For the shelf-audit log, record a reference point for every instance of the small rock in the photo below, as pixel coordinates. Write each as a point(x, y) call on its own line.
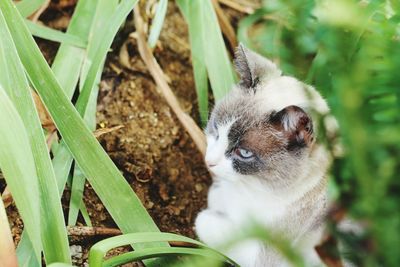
point(163, 192)
point(198, 187)
point(149, 205)
point(76, 255)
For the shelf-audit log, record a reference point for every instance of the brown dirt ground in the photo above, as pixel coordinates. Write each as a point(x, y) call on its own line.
point(152, 150)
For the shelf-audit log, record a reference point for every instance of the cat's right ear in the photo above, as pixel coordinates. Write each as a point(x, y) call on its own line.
point(296, 125)
point(253, 68)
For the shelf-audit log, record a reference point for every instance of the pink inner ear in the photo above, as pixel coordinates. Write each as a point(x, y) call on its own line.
point(296, 125)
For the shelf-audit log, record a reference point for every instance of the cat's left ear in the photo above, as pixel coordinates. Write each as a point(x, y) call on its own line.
point(253, 67)
point(296, 125)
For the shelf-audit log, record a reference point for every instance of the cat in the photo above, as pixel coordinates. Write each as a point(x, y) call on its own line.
point(266, 164)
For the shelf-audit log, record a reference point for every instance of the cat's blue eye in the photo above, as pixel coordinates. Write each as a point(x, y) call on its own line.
point(244, 153)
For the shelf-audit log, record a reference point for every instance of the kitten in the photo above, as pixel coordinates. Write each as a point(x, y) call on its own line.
point(266, 164)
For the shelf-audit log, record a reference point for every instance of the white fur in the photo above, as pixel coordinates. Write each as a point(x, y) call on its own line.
point(234, 199)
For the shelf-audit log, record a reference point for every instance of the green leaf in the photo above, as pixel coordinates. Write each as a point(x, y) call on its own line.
point(54, 35)
point(157, 23)
point(26, 254)
point(18, 167)
point(208, 51)
point(126, 209)
point(100, 53)
point(28, 7)
point(69, 59)
point(149, 253)
point(99, 250)
point(194, 20)
point(104, 11)
point(78, 183)
point(54, 235)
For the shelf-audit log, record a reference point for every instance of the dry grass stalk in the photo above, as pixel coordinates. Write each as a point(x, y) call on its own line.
point(237, 6)
point(158, 75)
point(92, 231)
point(35, 16)
point(226, 26)
point(44, 116)
point(6, 197)
point(99, 132)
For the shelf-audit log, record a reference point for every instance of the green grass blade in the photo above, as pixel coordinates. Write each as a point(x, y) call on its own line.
point(104, 11)
point(67, 73)
point(68, 77)
point(219, 65)
point(54, 35)
point(25, 253)
point(194, 20)
point(18, 167)
point(62, 163)
point(28, 7)
point(85, 213)
point(157, 23)
point(78, 183)
point(54, 235)
point(69, 59)
point(203, 22)
point(100, 53)
point(99, 250)
point(149, 253)
point(126, 209)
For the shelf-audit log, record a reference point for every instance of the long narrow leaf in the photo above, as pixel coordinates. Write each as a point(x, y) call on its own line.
point(104, 11)
point(99, 250)
point(150, 253)
point(54, 35)
point(195, 23)
point(25, 253)
point(67, 69)
point(69, 59)
point(157, 23)
point(17, 165)
point(54, 235)
point(28, 7)
point(124, 207)
point(205, 32)
point(78, 183)
point(100, 54)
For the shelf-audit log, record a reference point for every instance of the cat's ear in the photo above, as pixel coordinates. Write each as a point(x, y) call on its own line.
point(296, 125)
point(253, 68)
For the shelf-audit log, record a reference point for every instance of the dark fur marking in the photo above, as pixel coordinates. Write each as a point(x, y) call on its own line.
point(257, 137)
point(242, 65)
point(248, 167)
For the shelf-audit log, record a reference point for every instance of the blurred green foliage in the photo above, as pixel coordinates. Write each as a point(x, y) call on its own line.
point(350, 51)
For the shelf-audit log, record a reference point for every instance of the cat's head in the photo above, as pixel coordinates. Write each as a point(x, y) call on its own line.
point(262, 128)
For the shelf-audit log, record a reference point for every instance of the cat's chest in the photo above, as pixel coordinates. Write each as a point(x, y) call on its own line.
point(241, 203)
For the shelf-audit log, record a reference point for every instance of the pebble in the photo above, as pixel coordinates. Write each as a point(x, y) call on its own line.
point(76, 254)
point(198, 187)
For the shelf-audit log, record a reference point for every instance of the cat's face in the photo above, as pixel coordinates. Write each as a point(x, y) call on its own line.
point(259, 130)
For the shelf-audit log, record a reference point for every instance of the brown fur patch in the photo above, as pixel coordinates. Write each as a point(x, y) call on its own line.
point(263, 140)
